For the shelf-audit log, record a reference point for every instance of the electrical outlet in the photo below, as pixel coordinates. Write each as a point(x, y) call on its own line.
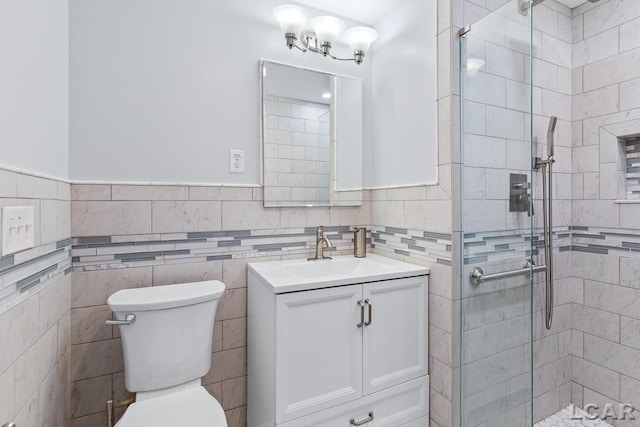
point(236, 161)
point(18, 229)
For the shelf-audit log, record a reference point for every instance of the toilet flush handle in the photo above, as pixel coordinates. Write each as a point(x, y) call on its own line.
point(129, 319)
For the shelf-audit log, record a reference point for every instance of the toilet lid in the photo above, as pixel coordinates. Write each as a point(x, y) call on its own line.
point(193, 407)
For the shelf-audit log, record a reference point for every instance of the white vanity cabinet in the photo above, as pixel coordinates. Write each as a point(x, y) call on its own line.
point(338, 355)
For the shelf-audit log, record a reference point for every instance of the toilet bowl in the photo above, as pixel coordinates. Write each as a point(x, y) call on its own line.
point(167, 338)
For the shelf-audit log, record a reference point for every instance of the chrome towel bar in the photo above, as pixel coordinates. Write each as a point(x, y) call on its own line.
point(477, 276)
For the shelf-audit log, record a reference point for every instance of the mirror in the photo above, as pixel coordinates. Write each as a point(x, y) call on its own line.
point(311, 137)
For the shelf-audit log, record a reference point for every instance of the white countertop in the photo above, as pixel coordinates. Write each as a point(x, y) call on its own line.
point(301, 275)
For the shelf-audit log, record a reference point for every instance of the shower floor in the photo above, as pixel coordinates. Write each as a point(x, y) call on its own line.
point(564, 419)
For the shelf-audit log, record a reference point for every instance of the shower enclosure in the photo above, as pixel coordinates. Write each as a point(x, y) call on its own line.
point(514, 363)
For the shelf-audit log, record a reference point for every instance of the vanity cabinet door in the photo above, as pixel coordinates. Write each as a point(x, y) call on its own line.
point(395, 342)
point(318, 350)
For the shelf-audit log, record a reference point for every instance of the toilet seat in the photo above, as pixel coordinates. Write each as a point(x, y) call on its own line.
point(193, 407)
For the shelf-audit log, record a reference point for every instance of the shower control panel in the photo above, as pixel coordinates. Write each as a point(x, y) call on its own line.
point(519, 197)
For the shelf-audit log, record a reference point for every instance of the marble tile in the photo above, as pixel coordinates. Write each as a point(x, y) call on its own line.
point(389, 213)
point(630, 35)
point(351, 215)
point(99, 218)
point(237, 417)
point(234, 393)
point(7, 387)
point(64, 335)
point(96, 359)
point(32, 187)
point(630, 332)
point(92, 420)
point(186, 273)
point(611, 71)
point(304, 217)
point(89, 288)
point(630, 391)
point(90, 192)
point(630, 272)
point(149, 192)
point(8, 184)
point(226, 365)
point(87, 324)
point(503, 123)
point(595, 48)
point(596, 322)
point(615, 13)
point(234, 333)
point(33, 367)
point(232, 304)
point(432, 215)
point(16, 340)
point(594, 103)
point(630, 216)
point(55, 302)
point(596, 213)
point(629, 95)
point(613, 356)
point(595, 376)
point(248, 215)
point(189, 216)
point(89, 396)
point(612, 298)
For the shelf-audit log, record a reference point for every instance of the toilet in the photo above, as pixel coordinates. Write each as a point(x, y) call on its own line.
point(167, 337)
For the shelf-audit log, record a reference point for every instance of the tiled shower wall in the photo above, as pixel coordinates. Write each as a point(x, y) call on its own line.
point(35, 288)
point(606, 264)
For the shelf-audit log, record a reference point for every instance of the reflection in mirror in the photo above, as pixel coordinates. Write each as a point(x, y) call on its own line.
point(312, 137)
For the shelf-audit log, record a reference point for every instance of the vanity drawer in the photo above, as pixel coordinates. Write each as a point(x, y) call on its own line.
point(393, 407)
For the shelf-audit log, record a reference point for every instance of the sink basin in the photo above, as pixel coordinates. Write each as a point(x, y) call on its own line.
point(300, 275)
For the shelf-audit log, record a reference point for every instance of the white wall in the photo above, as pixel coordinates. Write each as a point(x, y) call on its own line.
point(404, 91)
point(33, 86)
point(161, 90)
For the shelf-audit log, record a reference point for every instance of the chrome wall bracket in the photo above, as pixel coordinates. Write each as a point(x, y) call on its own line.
point(129, 319)
point(464, 30)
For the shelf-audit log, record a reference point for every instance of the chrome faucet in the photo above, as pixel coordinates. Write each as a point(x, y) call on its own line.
point(321, 240)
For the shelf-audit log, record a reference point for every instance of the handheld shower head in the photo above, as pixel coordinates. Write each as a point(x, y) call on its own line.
point(553, 121)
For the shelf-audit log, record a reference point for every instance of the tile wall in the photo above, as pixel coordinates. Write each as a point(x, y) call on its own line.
point(606, 266)
point(35, 295)
point(131, 236)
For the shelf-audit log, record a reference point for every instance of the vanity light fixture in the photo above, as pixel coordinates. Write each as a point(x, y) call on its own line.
point(326, 30)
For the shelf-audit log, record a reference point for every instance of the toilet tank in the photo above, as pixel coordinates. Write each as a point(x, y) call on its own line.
point(170, 341)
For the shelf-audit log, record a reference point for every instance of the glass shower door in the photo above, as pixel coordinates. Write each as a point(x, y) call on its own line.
point(497, 310)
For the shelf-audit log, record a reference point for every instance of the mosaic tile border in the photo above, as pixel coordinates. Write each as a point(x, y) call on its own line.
point(510, 244)
point(110, 252)
point(503, 245)
point(422, 245)
point(27, 272)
